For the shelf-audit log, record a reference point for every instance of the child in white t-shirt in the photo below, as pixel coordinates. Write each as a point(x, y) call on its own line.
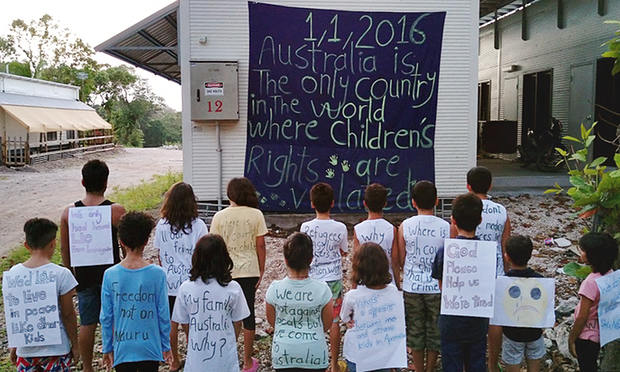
point(329, 240)
point(210, 306)
point(176, 235)
point(377, 230)
point(41, 242)
point(419, 238)
point(375, 314)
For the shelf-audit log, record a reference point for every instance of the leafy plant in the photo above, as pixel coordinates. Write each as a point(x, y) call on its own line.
point(595, 189)
point(614, 48)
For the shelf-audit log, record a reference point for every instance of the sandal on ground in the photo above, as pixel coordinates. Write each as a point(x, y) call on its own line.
point(254, 367)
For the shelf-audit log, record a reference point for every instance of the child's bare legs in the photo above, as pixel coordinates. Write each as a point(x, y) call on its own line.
point(418, 360)
point(533, 365)
point(248, 348)
point(174, 346)
point(494, 346)
point(86, 339)
point(334, 344)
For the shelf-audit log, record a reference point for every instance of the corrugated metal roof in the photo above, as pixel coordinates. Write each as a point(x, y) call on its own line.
point(151, 44)
point(33, 101)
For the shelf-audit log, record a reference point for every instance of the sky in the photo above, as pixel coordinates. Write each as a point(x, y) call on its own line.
point(95, 22)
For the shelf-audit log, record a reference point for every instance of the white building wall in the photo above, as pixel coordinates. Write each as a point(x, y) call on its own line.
point(225, 25)
point(548, 48)
point(32, 87)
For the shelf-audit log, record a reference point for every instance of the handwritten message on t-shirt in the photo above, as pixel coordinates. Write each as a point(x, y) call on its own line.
point(342, 97)
point(298, 338)
point(609, 307)
point(90, 236)
point(209, 318)
point(379, 332)
point(468, 286)
point(134, 307)
point(31, 309)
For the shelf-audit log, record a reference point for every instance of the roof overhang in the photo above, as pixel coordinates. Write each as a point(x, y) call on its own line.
point(152, 44)
point(45, 119)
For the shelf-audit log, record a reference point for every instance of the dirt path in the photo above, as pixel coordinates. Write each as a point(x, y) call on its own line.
point(45, 190)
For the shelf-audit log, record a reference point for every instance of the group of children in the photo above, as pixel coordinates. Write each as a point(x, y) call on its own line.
point(206, 283)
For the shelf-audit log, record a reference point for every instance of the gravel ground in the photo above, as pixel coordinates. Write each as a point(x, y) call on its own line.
point(540, 217)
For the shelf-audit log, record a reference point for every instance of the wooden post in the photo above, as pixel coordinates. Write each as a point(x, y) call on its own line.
point(27, 148)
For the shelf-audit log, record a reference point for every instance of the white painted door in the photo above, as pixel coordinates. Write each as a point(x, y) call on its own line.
point(581, 104)
point(510, 100)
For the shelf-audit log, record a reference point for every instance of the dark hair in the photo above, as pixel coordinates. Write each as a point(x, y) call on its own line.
point(519, 249)
point(375, 197)
point(211, 260)
point(479, 179)
point(134, 229)
point(424, 193)
point(601, 251)
point(371, 266)
point(242, 192)
point(298, 251)
point(95, 176)
point(39, 232)
point(467, 212)
point(322, 197)
point(180, 208)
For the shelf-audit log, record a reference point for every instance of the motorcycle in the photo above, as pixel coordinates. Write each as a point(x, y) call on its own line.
point(540, 148)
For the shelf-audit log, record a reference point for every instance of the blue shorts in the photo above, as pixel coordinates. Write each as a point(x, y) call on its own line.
point(513, 351)
point(89, 305)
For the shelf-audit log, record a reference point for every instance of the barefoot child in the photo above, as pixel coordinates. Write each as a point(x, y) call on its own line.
point(41, 242)
point(599, 250)
point(176, 235)
point(375, 308)
point(378, 230)
point(211, 297)
point(329, 240)
point(135, 319)
point(299, 340)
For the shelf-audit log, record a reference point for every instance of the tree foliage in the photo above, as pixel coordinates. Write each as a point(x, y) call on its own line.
point(614, 48)
point(42, 49)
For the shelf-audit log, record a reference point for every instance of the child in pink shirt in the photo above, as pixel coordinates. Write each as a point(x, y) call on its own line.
point(599, 250)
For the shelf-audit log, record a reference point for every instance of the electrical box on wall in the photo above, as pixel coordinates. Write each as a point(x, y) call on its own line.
point(214, 90)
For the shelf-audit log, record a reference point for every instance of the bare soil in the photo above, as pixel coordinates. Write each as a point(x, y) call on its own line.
point(44, 190)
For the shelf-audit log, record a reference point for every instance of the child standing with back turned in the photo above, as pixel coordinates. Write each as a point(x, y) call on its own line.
point(419, 238)
point(521, 341)
point(376, 229)
point(242, 225)
point(41, 242)
point(495, 226)
point(176, 235)
point(135, 319)
point(599, 250)
point(463, 338)
point(329, 239)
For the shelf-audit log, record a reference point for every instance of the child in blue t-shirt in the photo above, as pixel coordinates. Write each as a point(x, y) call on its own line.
point(135, 318)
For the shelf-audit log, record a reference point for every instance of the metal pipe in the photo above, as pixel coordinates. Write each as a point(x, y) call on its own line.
point(220, 176)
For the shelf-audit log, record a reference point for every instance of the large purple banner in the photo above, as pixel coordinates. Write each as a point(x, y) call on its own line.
point(347, 98)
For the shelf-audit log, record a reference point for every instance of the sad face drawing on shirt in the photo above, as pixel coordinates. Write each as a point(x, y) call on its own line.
point(525, 302)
